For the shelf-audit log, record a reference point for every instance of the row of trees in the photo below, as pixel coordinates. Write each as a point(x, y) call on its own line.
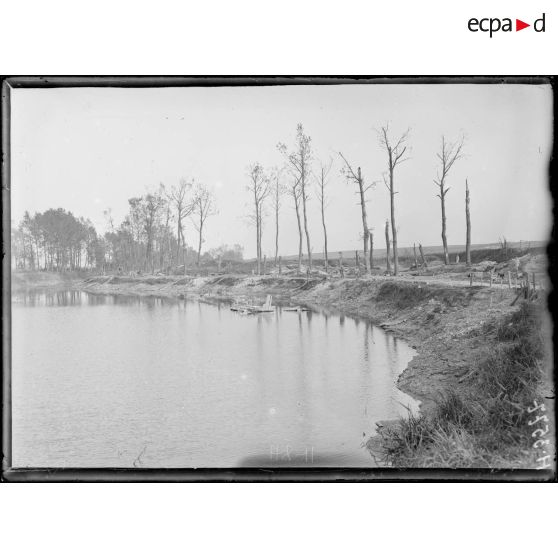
point(151, 236)
point(55, 240)
point(298, 174)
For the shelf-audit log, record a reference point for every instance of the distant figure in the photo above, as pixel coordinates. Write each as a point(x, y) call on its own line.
point(457, 258)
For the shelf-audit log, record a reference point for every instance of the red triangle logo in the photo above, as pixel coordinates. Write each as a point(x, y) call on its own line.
point(519, 25)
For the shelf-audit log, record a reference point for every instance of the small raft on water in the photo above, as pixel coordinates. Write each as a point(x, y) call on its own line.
point(254, 309)
point(295, 309)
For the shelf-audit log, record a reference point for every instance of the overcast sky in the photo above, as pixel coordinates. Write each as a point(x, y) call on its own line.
point(87, 149)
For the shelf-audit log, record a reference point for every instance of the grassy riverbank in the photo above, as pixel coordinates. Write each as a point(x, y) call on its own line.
point(481, 361)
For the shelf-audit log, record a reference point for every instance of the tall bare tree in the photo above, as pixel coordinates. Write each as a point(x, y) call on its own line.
point(322, 179)
point(296, 194)
point(357, 177)
point(277, 197)
point(180, 198)
point(203, 207)
point(395, 151)
point(371, 235)
point(449, 153)
point(259, 187)
point(300, 160)
point(468, 225)
point(388, 265)
point(152, 203)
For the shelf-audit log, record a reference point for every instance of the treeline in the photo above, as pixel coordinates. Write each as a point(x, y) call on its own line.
point(152, 236)
point(303, 173)
point(55, 240)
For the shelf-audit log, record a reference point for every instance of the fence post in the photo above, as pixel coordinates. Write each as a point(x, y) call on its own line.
point(471, 276)
point(509, 279)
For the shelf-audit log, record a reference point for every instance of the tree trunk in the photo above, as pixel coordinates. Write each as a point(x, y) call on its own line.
point(388, 264)
point(468, 223)
point(393, 227)
point(364, 219)
point(325, 233)
point(200, 241)
point(371, 234)
point(444, 239)
point(299, 236)
point(276, 230)
point(303, 186)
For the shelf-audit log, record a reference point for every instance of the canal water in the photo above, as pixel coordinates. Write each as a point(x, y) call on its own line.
point(122, 381)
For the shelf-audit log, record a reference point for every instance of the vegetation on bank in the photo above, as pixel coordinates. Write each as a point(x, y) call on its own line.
point(486, 424)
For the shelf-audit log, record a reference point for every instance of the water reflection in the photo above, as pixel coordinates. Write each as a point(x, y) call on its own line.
point(98, 378)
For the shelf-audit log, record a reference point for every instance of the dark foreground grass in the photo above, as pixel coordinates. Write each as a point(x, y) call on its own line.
point(488, 426)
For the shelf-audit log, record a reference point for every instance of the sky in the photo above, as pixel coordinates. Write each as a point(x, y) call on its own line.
point(89, 149)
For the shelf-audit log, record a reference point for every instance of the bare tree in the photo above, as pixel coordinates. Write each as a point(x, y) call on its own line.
point(165, 252)
point(179, 197)
point(450, 153)
point(203, 207)
point(322, 179)
point(152, 203)
point(296, 194)
point(299, 161)
point(395, 152)
point(371, 235)
point(259, 187)
point(468, 225)
point(357, 177)
point(388, 264)
point(278, 192)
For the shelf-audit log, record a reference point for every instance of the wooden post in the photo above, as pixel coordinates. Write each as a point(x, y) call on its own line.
point(279, 265)
point(509, 280)
point(341, 270)
point(490, 279)
point(415, 255)
point(471, 277)
point(265, 264)
point(357, 262)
